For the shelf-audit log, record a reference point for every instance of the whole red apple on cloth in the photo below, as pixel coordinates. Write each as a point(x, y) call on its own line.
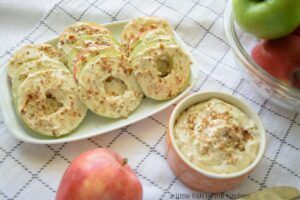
point(280, 58)
point(99, 174)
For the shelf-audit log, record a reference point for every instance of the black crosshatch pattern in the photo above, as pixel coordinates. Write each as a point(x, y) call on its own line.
point(34, 171)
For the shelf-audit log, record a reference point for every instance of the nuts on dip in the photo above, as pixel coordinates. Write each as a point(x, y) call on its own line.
point(217, 137)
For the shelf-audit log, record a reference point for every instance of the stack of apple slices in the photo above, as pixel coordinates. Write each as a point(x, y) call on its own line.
point(161, 66)
point(103, 76)
point(44, 92)
point(105, 80)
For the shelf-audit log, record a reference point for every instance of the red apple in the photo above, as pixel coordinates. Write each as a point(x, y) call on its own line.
point(280, 58)
point(99, 174)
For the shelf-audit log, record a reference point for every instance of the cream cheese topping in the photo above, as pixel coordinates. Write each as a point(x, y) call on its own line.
point(217, 137)
point(48, 103)
point(108, 87)
point(32, 52)
point(74, 32)
point(137, 28)
point(162, 71)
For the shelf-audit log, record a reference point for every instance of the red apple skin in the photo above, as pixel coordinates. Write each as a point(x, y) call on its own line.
point(297, 31)
point(280, 58)
point(99, 174)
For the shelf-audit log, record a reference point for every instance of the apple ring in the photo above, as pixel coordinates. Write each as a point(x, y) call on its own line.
point(84, 56)
point(42, 64)
point(150, 37)
point(138, 27)
point(162, 70)
point(92, 42)
point(48, 103)
point(87, 47)
point(32, 52)
point(149, 43)
point(73, 33)
point(108, 87)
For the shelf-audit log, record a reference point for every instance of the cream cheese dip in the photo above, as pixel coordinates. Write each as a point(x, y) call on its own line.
point(217, 137)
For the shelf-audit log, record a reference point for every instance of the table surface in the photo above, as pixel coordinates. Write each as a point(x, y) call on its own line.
point(30, 171)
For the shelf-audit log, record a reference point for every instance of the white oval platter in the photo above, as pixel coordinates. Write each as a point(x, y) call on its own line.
point(93, 124)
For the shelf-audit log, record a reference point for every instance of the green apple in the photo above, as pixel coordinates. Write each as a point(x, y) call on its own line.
point(268, 19)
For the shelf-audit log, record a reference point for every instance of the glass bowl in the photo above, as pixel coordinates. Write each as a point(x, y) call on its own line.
point(268, 86)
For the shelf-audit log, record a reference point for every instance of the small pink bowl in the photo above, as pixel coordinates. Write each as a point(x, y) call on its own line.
point(196, 177)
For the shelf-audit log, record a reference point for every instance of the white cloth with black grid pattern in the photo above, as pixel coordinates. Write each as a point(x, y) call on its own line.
point(30, 171)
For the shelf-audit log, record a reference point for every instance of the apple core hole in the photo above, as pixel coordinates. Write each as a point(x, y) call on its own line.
point(164, 65)
point(114, 86)
point(52, 104)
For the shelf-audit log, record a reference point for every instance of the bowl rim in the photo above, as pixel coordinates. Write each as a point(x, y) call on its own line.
point(183, 105)
point(248, 62)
